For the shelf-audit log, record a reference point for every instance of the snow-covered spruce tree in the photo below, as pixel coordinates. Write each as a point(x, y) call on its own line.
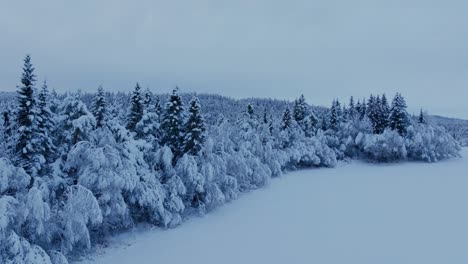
point(398, 119)
point(384, 112)
point(26, 145)
point(248, 145)
point(352, 113)
point(250, 110)
point(158, 108)
point(287, 119)
point(311, 124)
point(363, 111)
point(422, 118)
point(136, 108)
point(381, 112)
point(148, 99)
point(300, 110)
point(194, 128)
point(75, 123)
point(344, 114)
point(98, 107)
point(148, 128)
point(172, 124)
point(45, 125)
point(372, 112)
point(335, 114)
point(324, 122)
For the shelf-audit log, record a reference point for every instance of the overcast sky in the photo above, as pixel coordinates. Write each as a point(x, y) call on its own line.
point(246, 48)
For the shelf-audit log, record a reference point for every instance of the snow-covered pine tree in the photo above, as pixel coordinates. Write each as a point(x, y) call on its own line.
point(344, 114)
point(26, 145)
point(45, 125)
point(265, 116)
point(398, 119)
point(384, 112)
point(300, 109)
point(372, 112)
point(339, 111)
point(172, 124)
point(158, 108)
point(323, 122)
point(286, 122)
point(250, 111)
point(311, 124)
point(148, 98)
point(378, 125)
point(352, 112)
point(98, 107)
point(363, 112)
point(334, 114)
point(422, 117)
point(136, 108)
point(148, 127)
point(194, 128)
point(75, 124)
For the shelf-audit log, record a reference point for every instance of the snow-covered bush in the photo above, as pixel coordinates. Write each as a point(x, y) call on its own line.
point(431, 144)
point(386, 147)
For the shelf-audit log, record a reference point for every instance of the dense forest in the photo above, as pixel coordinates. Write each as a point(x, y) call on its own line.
point(74, 168)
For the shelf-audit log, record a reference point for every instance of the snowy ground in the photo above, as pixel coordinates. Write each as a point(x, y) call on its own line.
point(357, 213)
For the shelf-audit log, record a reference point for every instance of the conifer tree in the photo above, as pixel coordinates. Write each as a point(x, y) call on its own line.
point(76, 123)
point(300, 109)
point(25, 115)
point(344, 114)
point(399, 119)
point(363, 109)
point(287, 119)
point(352, 113)
point(265, 117)
point(422, 118)
point(158, 108)
point(334, 114)
point(324, 124)
point(98, 107)
point(250, 111)
point(148, 99)
point(194, 128)
point(384, 112)
point(372, 112)
point(311, 124)
point(358, 109)
point(45, 124)
point(339, 111)
point(172, 124)
point(136, 108)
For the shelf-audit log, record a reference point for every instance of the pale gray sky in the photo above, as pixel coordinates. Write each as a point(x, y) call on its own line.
point(243, 48)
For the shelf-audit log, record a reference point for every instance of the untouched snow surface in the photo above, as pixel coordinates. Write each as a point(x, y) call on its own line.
point(356, 213)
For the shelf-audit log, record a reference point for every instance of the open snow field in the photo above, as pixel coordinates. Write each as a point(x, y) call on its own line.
point(356, 213)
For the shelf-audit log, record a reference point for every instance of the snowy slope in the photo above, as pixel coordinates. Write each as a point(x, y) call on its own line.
point(357, 213)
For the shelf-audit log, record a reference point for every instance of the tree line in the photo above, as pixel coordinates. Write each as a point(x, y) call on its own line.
point(73, 173)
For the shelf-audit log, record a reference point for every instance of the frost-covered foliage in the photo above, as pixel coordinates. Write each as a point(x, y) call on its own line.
point(74, 123)
point(431, 144)
point(69, 176)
